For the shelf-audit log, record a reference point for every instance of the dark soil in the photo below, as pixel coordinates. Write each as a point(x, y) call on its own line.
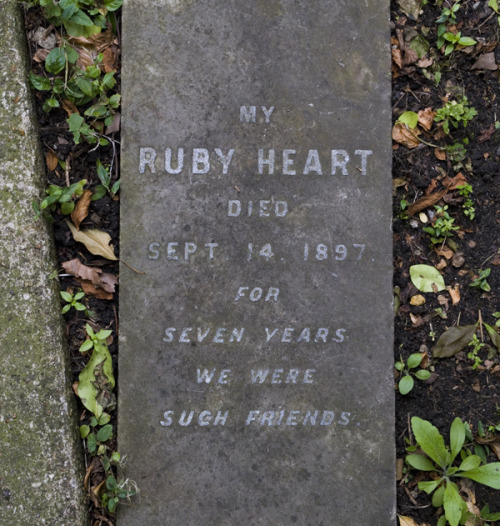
point(455, 388)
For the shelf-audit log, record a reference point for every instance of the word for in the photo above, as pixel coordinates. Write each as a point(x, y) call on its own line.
point(258, 376)
point(256, 294)
point(257, 417)
point(289, 161)
point(217, 335)
point(266, 208)
point(235, 335)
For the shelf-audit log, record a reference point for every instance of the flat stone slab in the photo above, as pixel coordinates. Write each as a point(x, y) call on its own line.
point(256, 348)
point(41, 469)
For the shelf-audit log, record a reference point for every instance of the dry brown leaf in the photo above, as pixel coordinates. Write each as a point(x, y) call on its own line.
point(493, 442)
point(425, 62)
point(69, 107)
point(495, 260)
point(82, 208)
point(51, 160)
point(407, 521)
point(41, 55)
point(96, 241)
point(452, 182)
point(486, 61)
point(426, 118)
point(416, 321)
point(93, 275)
point(426, 202)
point(440, 154)
point(486, 134)
point(397, 57)
point(444, 252)
point(115, 124)
point(441, 264)
point(402, 135)
point(89, 288)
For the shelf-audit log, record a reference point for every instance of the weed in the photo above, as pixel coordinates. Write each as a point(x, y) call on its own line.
point(440, 459)
point(454, 113)
point(57, 195)
point(473, 354)
point(497, 316)
point(104, 175)
point(455, 40)
point(465, 190)
point(407, 383)
point(480, 282)
point(442, 227)
point(73, 300)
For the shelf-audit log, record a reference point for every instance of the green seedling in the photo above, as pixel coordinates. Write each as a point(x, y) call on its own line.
point(407, 383)
point(480, 282)
point(440, 459)
point(455, 41)
point(442, 226)
point(97, 437)
point(473, 354)
point(465, 190)
point(73, 300)
point(448, 15)
point(496, 315)
point(454, 113)
point(116, 491)
point(104, 175)
point(488, 516)
point(63, 196)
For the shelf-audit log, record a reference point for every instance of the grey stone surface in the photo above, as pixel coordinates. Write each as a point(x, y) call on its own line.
point(41, 479)
point(313, 443)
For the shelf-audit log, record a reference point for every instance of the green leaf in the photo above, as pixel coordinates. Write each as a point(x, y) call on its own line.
point(75, 122)
point(85, 85)
point(81, 19)
point(437, 498)
point(410, 118)
point(40, 83)
point(471, 462)
point(430, 440)
point(421, 463)
point(114, 100)
point(67, 208)
point(457, 438)
point(494, 5)
point(488, 475)
point(65, 309)
point(424, 277)
point(79, 307)
point(454, 340)
point(55, 61)
point(105, 433)
point(428, 485)
point(111, 483)
point(399, 366)
point(115, 456)
point(406, 384)
point(105, 418)
point(66, 296)
point(99, 192)
point(423, 374)
point(84, 431)
point(420, 45)
point(113, 5)
point(414, 360)
point(452, 503)
point(494, 336)
point(466, 41)
point(115, 187)
point(86, 346)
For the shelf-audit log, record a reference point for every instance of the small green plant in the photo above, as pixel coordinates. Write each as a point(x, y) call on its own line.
point(407, 383)
point(440, 459)
point(480, 282)
point(465, 190)
point(57, 195)
point(97, 437)
point(442, 226)
point(455, 40)
point(497, 316)
point(448, 15)
point(104, 175)
point(476, 346)
point(454, 113)
point(73, 300)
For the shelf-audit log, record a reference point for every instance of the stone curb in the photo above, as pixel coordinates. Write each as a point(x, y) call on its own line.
point(41, 468)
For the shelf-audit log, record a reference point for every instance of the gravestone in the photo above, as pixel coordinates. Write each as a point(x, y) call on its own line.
point(256, 341)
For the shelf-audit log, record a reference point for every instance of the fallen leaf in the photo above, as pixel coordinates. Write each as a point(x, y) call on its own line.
point(454, 293)
point(69, 107)
point(452, 182)
point(426, 118)
point(410, 8)
point(89, 289)
point(426, 202)
point(486, 134)
point(406, 521)
point(440, 154)
point(445, 252)
point(443, 300)
point(458, 260)
point(82, 208)
point(426, 278)
point(425, 62)
point(92, 275)
point(400, 464)
point(115, 124)
point(51, 160)
point(454, 340)
point(416, 321)
point(397, 57)
point(441, 264)
point(41, 55)
point(96, 241)
point(402, 135)
point(417, 300)
point(486, 61)
point(493, 442)
point(495, 260)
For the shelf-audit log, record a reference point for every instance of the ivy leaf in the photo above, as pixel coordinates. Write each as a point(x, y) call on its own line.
point(427, 278)
point(454, 340)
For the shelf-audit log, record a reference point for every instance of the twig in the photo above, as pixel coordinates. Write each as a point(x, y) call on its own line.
point(131, 268)
point(67, 168)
